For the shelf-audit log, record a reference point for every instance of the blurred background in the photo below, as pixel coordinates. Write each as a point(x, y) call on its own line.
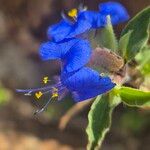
point(23, 26)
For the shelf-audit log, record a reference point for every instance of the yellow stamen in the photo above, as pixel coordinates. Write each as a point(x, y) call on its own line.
point(54, 95)
point(73, 13)
point(38, 94)
point(45, 80)
point(54, 92)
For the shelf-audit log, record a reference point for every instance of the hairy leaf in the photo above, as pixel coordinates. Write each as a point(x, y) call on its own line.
point(99, 120)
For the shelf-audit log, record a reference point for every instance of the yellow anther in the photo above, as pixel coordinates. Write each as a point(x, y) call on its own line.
point(54, 92)
point(38, 94)
point(45, 80)
point(54, 95)
point(73, 13)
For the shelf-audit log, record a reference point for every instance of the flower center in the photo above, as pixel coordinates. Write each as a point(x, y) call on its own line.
point(73, 13)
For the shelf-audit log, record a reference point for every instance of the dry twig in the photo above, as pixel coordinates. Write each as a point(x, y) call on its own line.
point(72, 112)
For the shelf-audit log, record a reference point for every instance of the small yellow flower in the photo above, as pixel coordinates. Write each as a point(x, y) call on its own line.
point(73, 13)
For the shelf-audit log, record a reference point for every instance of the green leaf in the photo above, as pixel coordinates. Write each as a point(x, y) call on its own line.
point(123, 43)
point(99, 120)
point(107, 36)
point(140, 35)
point(134, 97)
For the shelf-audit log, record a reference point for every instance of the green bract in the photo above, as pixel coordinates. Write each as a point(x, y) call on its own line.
point(107, 36)
point(123, 43)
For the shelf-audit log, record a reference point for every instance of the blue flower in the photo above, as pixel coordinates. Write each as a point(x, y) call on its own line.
point(86, 83)
point(86, 20)
point(83, 84)
point(73, 53)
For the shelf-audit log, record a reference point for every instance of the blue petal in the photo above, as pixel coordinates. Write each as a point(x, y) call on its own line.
point(87, 94)
point(93, 17)
point(52, 50)
point(84, 78)
point(80, 26)
point(86, 83)
point(60, 30)
point(117, 12)
point(49, 50)
point(77, 56)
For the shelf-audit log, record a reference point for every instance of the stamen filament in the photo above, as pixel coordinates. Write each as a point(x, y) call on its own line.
point(38, 89)
point(28, 94)
point(43, 108)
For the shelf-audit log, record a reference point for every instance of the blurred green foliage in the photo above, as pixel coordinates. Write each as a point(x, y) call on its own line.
point(143, 59)
point(5, 95)
point(134, 120)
